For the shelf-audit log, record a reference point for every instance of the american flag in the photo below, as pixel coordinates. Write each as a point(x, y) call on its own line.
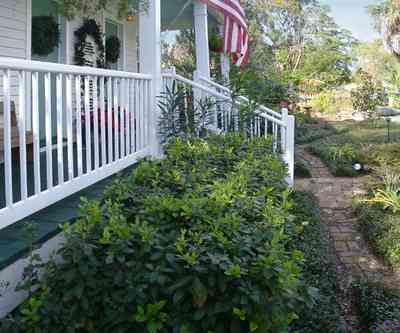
point(236, 37)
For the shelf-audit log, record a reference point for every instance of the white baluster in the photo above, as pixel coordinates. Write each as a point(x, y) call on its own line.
point(35, 132)
point(102, 123)
point(49, 143)
point(22, 134)
point(110, 119)
point(116, 120)
point(127, 117)
point(133, 108)
point(87, 126)
point(60, 147)
point(70, 149)
point(7, 138)
point(78, 99)
point(96, 124)
point(122, 116)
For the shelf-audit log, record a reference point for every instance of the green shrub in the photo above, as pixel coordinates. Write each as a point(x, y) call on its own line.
point(306, 133)
point(301, 168)
point(382, 230)
point(378, 212)
point(378, 306)
point(196, 242)
point(338, 159)
point(324, 102)
point(319, 269)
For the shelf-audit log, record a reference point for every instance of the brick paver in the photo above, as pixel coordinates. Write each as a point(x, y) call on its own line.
point(355, 257)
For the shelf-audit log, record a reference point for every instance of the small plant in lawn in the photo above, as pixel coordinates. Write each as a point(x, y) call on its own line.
point(368, 95)
point(344, 153)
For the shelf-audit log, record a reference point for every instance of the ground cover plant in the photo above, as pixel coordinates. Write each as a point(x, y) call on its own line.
point(197, 242)
point(356, 142)
point(378, 212)
point(308, 132)
point(379, 307)
point(319, 269)
point(301, 168)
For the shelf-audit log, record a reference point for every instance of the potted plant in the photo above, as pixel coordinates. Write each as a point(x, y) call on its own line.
point(215, 43)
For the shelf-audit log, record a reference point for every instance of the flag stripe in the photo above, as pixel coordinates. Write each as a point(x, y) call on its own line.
point(235, 28)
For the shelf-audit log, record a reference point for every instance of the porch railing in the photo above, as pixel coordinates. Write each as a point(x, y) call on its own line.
point(263, 122)
point(75, 126)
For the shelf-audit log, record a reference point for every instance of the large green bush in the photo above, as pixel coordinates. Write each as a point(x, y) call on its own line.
point(196, 242)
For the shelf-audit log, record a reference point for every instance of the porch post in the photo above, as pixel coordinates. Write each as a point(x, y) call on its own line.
point(150, 63)
point(225, 61)
point(201, 34)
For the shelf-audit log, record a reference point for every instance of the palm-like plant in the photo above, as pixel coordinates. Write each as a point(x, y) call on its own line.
point(387, 21)
point(389, 195)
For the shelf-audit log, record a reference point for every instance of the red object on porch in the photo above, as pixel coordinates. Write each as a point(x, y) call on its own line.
point(236, 37)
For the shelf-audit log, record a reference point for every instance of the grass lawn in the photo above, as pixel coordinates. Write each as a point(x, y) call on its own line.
point(351, 142)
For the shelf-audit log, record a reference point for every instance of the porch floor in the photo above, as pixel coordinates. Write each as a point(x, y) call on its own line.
point(13, 244)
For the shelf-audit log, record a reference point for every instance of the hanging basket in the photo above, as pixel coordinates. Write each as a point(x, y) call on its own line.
point(215, 43)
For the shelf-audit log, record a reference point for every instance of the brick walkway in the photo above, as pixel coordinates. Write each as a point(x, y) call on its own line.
point(354, 256)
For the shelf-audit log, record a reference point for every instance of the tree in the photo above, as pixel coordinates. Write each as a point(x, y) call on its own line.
point(387, 21)
point(382, 65)
point(368, 95)
point(90, 8)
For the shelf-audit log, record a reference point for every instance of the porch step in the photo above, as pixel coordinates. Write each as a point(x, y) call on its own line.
point(13, 243)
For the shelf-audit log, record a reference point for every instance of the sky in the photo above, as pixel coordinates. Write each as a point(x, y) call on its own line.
point(353, 15)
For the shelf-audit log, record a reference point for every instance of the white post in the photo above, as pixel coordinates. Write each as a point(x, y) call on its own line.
point(290, 148)
point(284, 130)
point(225, 61)
point(201, 35)
point(150, 60)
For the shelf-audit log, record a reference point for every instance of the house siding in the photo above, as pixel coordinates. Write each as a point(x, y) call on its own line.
point(13, 28)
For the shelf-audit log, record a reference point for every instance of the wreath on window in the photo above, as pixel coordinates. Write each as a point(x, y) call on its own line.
point(45, 35)
point(90, 28)
point(113, 49)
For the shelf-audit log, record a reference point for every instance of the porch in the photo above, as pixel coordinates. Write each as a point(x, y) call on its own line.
point(68, 129)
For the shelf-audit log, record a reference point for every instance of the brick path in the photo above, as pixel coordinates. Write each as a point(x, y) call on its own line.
point(354, 256)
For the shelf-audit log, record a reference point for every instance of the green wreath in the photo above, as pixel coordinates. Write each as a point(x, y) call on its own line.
point(45, 35)
point(89, 28)
point(113, 49)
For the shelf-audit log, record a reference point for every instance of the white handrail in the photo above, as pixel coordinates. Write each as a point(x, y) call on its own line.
point(196, 85)
point(47, 67)
point(242, 98)
point(224, 97)
point(102, 116)
point(215, 84)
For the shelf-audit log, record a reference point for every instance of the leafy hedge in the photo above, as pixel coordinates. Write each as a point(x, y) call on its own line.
point(378, 307)
point(307, 133)
point(196, 242)
point(382, 229)
point(319, 270)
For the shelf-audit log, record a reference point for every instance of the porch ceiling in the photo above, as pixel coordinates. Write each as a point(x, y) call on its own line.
point(178, 15)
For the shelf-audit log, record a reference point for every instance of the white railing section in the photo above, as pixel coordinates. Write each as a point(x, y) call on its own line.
point(74, 127)
point(265, 122)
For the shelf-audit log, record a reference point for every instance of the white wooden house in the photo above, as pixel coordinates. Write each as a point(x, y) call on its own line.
point(53, 145)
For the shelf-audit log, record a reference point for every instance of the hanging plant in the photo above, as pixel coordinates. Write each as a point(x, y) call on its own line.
point(45, 35)
point(90, 8)
point(113, 49)
point(90, 28)
point(215, 43)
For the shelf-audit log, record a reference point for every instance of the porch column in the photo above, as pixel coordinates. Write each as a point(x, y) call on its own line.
point(150, 63)
point(225, 61)
point(201, 32)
